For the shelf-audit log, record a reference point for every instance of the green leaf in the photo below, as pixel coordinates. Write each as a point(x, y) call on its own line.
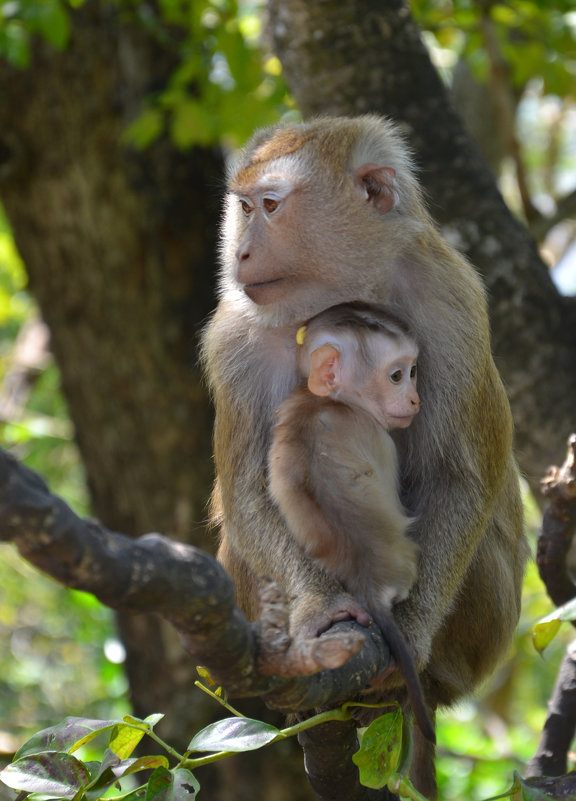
point(54, 23)
point(205, 674)
point(139, 794)
point(172, 785)
point(14, 44)
point(544, 631)
point(192, 123)
point(66, 736)
point(103, 776)
point(234, 734)
point(146, 128)
point(381, 750)
point(134, 721)
point(112, 769)
point(154, 718)
point(56, 775)
point(124, 739)
point(128, 766)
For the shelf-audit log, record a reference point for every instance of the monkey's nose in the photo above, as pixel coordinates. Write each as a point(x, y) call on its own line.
point(243, 253)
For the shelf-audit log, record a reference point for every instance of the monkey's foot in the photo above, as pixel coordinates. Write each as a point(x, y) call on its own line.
point(312, 619)
point(283, 655)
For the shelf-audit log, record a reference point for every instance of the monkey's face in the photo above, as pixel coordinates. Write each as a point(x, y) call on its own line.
point(303, 239)
point(269, 248)
point(390, 391)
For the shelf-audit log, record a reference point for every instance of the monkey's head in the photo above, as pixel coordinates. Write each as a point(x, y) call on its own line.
point(362, 357)
point(312, 215)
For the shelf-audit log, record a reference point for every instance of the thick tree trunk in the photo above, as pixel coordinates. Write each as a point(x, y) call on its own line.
point(367, 56)
point(119, 246)
point(119, 251)
point(120, 263)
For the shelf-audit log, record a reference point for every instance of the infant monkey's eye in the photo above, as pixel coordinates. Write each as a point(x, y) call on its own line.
point(396, 376)
point(413, 371)
point(270, 204)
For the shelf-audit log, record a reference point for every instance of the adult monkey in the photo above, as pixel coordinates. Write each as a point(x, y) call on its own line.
point(328, 212)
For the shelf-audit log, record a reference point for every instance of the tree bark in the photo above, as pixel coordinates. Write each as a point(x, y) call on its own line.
point(367, 56)
point(119, 246)
point(119, 250)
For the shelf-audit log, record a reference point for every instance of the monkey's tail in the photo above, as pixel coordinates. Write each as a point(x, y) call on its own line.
point(403, 657)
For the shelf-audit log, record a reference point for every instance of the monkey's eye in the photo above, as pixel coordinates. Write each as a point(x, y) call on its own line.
point(396, 376)
point(413, 371)
point(270, 204)
point(246, 207)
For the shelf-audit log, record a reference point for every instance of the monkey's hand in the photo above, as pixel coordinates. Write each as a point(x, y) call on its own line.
point(312, 615)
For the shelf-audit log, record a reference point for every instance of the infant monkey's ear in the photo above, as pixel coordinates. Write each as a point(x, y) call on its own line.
point(325, 371)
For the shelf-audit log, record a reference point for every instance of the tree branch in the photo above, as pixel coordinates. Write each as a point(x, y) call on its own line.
point(328, 751)
point(565, 208)
point(192, 590)
point(551, 757)
point(558, 527)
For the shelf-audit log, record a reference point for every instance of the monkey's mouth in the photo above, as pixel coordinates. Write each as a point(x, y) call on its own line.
point(400, 422)
point(260, 291)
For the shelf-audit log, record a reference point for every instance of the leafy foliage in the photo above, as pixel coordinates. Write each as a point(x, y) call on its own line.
point(534, 37)
point(234, 734)
point(15, 303)
point(513, 66)
point(222, 87)
point(20, 20)
point(45, 764)
point(485, 739)
point(548, 627)
point(46, 768)
point(55, 643)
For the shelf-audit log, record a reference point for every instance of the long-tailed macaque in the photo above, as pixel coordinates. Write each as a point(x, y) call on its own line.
point(333, 468)
point(327, 212)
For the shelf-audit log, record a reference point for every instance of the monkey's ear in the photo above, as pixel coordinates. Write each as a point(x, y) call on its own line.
point(377, 185)
point(324, 375)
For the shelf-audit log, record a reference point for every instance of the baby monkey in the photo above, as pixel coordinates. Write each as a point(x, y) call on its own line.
point(333, 467)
